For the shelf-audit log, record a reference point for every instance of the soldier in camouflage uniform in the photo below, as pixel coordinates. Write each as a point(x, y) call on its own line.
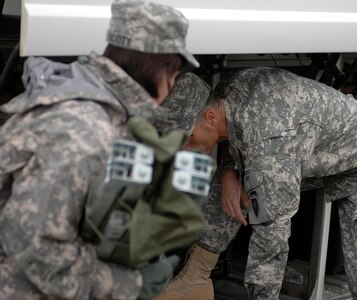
point(56, 144)
point(288, 129)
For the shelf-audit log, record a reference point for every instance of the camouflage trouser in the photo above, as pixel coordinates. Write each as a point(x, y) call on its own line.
point(347, 209)
point(219, 229)
point(268, 250)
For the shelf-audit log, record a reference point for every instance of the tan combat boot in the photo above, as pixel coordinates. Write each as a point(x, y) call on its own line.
point(193, 282)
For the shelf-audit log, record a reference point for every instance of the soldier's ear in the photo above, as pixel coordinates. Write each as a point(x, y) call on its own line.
point(211, 117)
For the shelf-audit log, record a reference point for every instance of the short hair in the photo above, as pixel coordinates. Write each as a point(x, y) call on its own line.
point(213, 101)
point(144, 68)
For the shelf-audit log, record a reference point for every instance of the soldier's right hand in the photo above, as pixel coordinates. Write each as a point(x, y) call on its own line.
point(232, 195)
point(156, 276)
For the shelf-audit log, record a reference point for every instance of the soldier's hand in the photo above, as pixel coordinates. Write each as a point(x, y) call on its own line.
point(232, 195)
point(156, 276)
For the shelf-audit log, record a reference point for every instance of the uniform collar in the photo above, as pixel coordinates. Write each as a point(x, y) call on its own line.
point(132, 96)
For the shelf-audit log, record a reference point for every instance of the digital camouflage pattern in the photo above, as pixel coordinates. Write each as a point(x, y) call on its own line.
point(51, 152)
point(186, 100)
point(289, 130)
point(184, 103)
point(149, 27)
point(347, 212)
point(217, 238)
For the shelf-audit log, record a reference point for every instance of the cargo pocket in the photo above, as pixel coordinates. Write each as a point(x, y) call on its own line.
point(253, 181)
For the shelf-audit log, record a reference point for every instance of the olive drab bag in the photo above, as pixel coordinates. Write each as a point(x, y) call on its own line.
point(134, 223)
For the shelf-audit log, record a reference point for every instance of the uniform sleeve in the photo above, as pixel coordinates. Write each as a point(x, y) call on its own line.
point(41, 218)
point(273, 171)
point(225, 160)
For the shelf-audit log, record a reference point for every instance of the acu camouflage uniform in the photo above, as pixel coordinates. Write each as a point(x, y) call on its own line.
point(54, 148)
point(288, 128)
point(51, 152)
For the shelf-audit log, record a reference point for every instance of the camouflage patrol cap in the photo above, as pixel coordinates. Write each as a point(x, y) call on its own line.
point(186, 100)
point(149, 27)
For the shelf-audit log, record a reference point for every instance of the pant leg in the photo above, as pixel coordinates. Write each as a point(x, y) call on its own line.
point(268, 253)
point(347, 208)
point(219, 229)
